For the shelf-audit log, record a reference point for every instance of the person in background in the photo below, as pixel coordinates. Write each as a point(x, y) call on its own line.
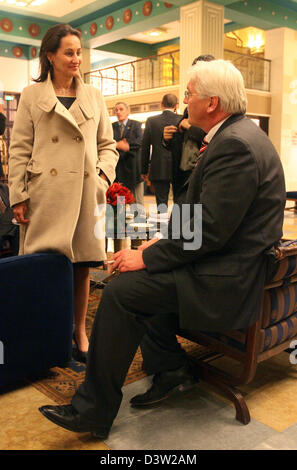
point(62, 160)
point(128, 135)
point(2, 130)
point(184, 142)
point(213, 283)
point(9, 232)
point(156, 160)
point(2, 120)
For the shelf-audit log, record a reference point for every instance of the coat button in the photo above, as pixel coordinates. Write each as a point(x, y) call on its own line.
point(53, 172)
point(55, 139)
point(86, 173)
point(78, 138)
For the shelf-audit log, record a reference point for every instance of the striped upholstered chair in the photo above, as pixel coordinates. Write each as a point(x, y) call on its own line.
point(272, 334)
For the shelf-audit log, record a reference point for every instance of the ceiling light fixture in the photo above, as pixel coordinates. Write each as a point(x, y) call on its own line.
point(156, 31)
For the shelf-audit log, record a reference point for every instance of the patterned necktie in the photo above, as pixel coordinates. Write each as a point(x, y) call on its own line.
point(122, 127)
point(202, 148)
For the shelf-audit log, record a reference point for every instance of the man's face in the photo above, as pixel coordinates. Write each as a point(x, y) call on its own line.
point(121, 112)
point(197, 107)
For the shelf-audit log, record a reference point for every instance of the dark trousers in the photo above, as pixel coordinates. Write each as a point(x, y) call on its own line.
point(161, 192)
point(127, 314)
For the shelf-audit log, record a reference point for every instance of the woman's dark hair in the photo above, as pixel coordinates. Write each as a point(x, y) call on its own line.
point(51, 43)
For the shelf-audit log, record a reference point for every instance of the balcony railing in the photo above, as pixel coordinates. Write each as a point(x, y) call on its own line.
point(142, 74)
point(163, 70)
point(255, 70)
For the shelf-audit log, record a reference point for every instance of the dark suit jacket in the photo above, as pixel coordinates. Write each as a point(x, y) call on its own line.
point(240, 183)
point(2, 123)
point(160, 160)
point(175, 145)
point(128, 166)
point(8, 231)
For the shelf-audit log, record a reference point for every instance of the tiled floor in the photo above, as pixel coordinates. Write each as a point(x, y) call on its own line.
point(197, 419)
point(194, 420)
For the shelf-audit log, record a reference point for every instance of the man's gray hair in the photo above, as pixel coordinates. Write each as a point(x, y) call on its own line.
point(220, 78)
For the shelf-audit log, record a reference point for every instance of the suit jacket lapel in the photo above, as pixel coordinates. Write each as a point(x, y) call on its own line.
point(127, 129)
point(197, 171)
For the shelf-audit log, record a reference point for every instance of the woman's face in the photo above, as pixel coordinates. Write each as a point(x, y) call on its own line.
point(66, 61)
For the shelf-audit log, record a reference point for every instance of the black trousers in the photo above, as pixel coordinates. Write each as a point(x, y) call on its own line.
point(161, 192)
point(135, 307)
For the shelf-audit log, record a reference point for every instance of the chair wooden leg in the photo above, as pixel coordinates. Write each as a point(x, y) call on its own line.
point(242, 411)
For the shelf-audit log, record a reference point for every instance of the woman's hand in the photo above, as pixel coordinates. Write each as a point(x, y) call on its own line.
point(19, 212)
point(104, 177)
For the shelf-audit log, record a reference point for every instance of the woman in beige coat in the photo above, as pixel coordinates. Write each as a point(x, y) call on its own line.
point(62, 159)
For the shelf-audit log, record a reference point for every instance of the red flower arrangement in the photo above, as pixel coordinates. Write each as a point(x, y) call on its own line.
point(118, 190)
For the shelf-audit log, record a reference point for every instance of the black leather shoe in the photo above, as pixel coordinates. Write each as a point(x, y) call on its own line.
point(68, 418)
point(164, 383)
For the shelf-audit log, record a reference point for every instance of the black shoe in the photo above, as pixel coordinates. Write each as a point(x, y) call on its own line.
point(77, 354)
point(165, 383)
point(68, 418)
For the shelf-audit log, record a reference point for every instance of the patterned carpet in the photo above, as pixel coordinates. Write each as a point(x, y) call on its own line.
point(59, 384)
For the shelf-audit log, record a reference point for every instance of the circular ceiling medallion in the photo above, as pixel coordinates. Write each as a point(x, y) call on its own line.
point(34, 30)
point(6, 25)
point(33, 52)
point(127, 16)
point(168, 5)
point(17, 51)
point(147, 8)
point(93, 29)
point(109, 22)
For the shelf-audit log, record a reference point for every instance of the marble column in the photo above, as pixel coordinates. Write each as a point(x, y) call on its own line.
point(86, 64)
point(202, 32)
point(280, 48)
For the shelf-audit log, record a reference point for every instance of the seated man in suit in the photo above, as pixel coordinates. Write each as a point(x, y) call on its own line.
point(128, 135)
point(211, 277)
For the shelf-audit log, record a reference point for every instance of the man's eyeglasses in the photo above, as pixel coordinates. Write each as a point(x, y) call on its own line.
point(188, 94)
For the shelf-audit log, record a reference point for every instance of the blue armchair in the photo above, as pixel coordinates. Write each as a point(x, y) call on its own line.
point(36, 309)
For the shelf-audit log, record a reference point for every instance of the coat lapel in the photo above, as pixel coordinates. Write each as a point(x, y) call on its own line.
point(82, 108)
point(80, 111)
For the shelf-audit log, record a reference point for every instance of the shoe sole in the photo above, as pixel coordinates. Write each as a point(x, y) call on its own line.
point(184, 387)
point(94, 434)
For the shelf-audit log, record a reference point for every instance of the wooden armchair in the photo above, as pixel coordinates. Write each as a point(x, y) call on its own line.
point(272, 334)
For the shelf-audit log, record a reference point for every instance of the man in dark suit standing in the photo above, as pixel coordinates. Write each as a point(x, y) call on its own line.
point(2, 120)
point(156, 164)
point(211, 277)
point(128, 135)
point(184, 142)
point(2, 130)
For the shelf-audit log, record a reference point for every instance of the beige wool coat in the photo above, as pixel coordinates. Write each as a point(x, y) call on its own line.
point(55, 158)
